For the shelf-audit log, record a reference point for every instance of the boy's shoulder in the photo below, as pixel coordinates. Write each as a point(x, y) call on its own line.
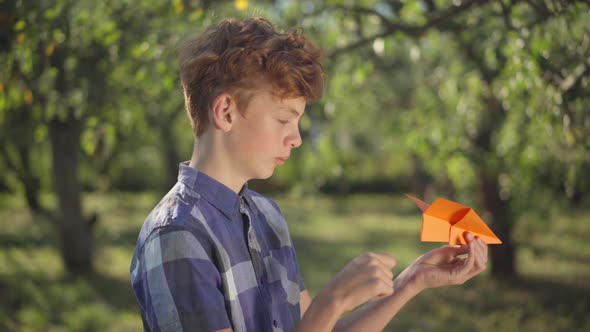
point(184, 209)
point(173, 211)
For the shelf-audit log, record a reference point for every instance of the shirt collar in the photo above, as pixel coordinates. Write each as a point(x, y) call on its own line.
point(215, 192)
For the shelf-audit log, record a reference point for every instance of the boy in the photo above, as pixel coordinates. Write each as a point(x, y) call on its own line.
point(215, 255)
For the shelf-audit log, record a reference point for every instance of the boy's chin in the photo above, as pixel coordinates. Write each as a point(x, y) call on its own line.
point(264, 175)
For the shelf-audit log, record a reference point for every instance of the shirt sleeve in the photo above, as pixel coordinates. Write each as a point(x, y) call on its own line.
point(180, 283)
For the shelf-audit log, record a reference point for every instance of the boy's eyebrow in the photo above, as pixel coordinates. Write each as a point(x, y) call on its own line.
point(292, 110)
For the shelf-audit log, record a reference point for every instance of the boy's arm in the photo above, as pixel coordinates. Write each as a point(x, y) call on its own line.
point(366, 277)
point(389, 307)
point(439, 267)
point(304, 302)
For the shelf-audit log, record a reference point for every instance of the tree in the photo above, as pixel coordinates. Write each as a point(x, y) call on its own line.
point(82, 78)
point(466, 85)
point(60, 58)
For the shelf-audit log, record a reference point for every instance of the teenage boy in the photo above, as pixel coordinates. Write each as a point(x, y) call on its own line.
point(215, 255)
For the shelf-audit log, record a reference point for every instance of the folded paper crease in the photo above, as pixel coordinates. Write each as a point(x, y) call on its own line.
point(446, 221)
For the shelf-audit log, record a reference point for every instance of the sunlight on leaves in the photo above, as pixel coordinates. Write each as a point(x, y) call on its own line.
point(241, 4)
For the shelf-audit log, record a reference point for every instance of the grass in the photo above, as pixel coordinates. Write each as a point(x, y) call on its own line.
point(553, 294)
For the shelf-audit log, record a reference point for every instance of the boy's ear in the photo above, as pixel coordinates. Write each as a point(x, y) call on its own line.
point(223, 112)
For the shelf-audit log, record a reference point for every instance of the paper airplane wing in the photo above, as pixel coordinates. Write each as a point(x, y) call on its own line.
point(472, 222)
point(445, 220)
point(434, 229)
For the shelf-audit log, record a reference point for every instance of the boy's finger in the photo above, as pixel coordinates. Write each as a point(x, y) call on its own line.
point(387, 259)
point(387, 279)
point(472, 252)
point(481, 252)
point(385, 289)
point(484, 253)
point(485, 250)
point(455, 250)
point(480, 261)
point(383, 270)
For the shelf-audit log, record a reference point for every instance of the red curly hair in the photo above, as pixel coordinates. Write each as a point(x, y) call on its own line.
point(239, 56)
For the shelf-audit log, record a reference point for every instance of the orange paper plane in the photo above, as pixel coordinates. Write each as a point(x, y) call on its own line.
point(446, 220)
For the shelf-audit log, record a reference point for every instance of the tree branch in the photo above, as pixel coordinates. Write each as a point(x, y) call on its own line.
point(506, 13)
point(439, 18)
point(573, 81)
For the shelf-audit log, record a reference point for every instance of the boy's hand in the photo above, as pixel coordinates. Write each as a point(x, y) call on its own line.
point(366, 277)
point(443, 267)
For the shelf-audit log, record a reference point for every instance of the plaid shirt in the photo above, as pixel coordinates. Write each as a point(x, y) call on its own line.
point(195, 269)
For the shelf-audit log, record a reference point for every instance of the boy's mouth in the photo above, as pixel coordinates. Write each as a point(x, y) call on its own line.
point(281, 160)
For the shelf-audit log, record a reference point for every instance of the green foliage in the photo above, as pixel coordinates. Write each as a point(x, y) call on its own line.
point(39, 295)
point(437, 97)
point(442, 91)
point(405, 94)
point(429, 92)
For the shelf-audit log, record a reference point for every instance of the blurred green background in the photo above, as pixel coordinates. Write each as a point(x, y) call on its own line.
point(483, 102)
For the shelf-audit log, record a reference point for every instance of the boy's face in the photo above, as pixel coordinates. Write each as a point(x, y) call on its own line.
point(264, 134)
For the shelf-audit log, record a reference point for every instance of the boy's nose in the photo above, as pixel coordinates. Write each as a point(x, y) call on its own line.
point(295, 139)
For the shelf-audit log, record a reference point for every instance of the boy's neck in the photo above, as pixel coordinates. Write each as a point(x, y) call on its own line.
point(205, 159)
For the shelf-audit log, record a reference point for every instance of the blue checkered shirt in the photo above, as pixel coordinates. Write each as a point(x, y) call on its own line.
point(208, 258)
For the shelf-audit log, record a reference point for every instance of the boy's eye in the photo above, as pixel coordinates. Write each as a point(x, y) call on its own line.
point(283, 121)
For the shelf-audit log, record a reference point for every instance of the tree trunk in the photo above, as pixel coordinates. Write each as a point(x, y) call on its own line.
point(497, 210)
point(30, 181)
point(420, 178)
point(74, 230)
point(498, 214)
